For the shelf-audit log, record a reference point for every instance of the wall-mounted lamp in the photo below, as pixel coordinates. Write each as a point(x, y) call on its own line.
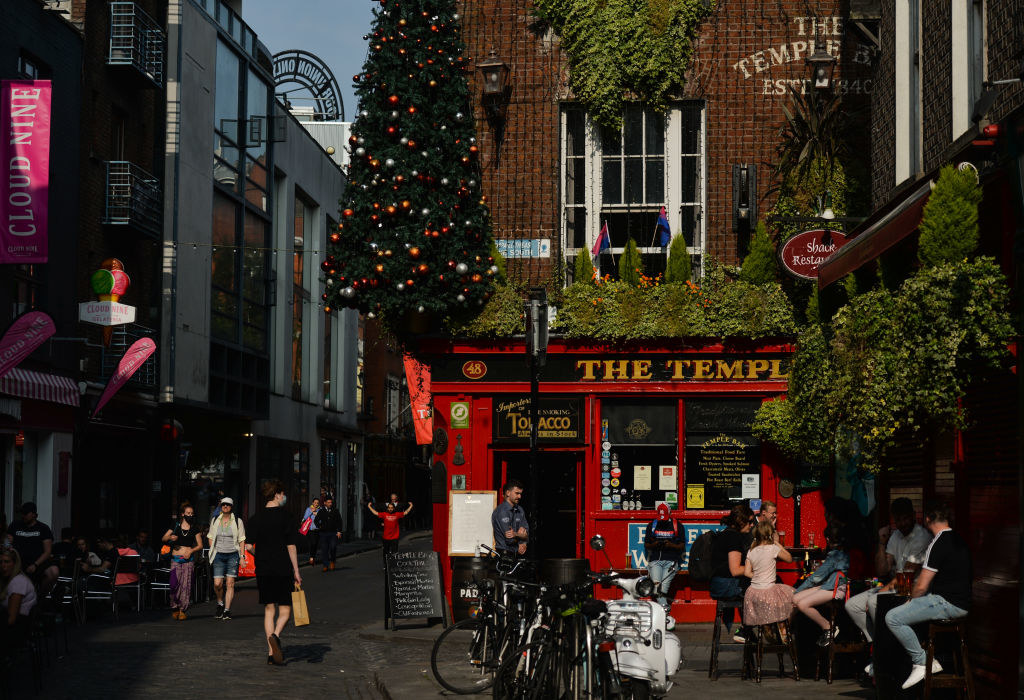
point(825, 207)
point(495, 74)
point(822, 64)
point(744, 204)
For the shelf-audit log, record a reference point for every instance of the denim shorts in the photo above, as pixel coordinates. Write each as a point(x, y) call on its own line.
point(225, 563)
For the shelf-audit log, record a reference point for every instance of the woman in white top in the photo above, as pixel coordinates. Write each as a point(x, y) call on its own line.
point(766, 601)
point(17, 595)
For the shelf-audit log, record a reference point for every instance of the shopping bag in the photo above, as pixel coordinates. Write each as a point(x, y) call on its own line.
point(299, 611)
point(247, 567)
point(306, 524)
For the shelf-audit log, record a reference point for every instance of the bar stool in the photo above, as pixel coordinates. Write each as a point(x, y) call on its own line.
point(784, 643)
point(716, 637)
point(858, 646)
point(962, 680)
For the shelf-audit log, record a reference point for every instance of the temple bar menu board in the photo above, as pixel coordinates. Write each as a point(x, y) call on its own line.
point(414, 584)
point(715, 465)
point(558, 419)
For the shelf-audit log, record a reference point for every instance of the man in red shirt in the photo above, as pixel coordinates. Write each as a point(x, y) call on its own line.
point(390, 518)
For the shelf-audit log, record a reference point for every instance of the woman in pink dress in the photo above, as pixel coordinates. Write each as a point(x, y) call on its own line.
point(766, 601)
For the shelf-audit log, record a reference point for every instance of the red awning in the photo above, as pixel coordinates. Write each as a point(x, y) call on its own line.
point(40, 386)
point(889, 228)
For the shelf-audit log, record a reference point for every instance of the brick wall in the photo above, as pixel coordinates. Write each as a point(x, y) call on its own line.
point(883, 122)
point(112, 95)
point(936, 82)
point(733, 71)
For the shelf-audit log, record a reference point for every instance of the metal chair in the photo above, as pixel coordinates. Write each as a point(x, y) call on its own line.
point(159, 582)
point(128, 564)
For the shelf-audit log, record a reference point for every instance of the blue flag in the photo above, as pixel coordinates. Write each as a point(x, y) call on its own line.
point(663, 228)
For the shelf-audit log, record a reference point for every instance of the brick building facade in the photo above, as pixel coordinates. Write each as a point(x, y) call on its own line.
point(728, 114)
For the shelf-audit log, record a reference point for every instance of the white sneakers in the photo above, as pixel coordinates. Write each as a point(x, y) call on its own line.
point(917, 673)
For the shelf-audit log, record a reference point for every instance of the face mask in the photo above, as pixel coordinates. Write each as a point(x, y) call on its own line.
point(190, 519)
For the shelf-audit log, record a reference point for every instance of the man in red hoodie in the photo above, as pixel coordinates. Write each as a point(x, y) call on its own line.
point(390, 518)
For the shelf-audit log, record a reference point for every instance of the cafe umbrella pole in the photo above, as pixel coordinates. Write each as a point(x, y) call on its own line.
point(536, 350)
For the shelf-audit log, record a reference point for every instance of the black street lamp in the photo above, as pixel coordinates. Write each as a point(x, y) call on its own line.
point(822, 64)
point(495, 74)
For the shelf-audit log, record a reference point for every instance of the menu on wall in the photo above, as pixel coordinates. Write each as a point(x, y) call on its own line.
point(414, 584)
point(719, 463)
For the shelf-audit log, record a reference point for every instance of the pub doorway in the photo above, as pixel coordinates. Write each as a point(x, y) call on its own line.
point(559, 501)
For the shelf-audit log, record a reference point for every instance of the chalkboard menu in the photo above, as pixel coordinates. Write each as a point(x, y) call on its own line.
point(414, 585)
point(720, 415)
point(715, 469)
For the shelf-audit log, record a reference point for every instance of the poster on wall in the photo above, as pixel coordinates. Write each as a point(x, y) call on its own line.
point(720, 462)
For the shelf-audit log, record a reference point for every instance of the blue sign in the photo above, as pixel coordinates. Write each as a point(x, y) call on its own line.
point(690, 532)
point(755, 504)
point(524, 247)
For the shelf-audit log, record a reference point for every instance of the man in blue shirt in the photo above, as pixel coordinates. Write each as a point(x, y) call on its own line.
point(511, 531)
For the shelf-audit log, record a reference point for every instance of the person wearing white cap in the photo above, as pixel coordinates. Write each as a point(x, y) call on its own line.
point(227, 546)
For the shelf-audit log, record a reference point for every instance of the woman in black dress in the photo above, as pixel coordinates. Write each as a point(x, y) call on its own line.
point(273, 538)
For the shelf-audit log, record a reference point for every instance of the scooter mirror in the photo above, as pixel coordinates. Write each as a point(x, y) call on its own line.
point(597, 543)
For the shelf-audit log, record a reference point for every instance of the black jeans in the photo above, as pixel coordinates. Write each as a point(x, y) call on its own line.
point(313, 537)
point(328, 547)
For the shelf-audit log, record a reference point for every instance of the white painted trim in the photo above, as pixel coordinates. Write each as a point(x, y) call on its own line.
point(903, 55)
point(960, 89)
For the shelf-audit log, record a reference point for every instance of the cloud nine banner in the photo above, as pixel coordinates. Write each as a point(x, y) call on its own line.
point(25, 164)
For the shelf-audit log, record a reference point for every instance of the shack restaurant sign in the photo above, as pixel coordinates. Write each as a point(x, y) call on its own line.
point(801, 255)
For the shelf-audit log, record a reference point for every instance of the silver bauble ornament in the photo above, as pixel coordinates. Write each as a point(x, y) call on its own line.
point(370, 314)
point(444, 181)
point(360, 151)
point(394, 114)
point(471, 183)
point(364, 113)
point(494, 269)
point(360, 140)
point(460, 298)
point(374, 246)
point(425, 211)
point(348, 292)
point(424, 154)
point(404, 140)
point(414, 173)
point(330, 282)
point(390, 162)
point(462, 268)
point(420, 309)
point(400, 286)
point(459, 116)
point(455, 16)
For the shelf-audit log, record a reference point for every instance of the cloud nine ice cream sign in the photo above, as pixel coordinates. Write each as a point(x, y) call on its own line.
point(801, 255)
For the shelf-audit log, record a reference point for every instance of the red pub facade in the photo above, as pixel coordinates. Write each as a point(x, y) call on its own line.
point(620, 429)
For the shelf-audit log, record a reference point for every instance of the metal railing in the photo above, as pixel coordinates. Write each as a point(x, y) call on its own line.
point(136, 40)
point(133, 198)
point(121, 339)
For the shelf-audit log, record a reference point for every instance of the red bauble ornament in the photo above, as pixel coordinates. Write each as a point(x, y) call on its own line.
point(348, 212)
point(414, 253)
point(409, 282)
point(422, 269)
point(393, 99)
point(476, 278)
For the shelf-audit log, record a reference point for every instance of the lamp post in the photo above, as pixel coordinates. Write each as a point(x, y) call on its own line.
point(823, 65)
point(495, 74)
point(536, 352)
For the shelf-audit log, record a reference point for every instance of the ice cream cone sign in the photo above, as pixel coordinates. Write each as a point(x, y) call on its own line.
point(109, 283)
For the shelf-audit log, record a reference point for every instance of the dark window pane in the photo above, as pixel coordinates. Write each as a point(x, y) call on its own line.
point(575, 132)
point(255, 257)
point(637, 224)
point(576, 184)
point(655, 184)
point(224, 328)
point(611, 181)
point(224, 303)
point(690, 128)
point(254, 338)
point(576, 226)
point(224, 241)
point(256, 136)
point(611, 142)
point(225, 150)
point(634, 180)
point(654, 264)
point(226, 97)
point(633, 126)
point(688, 179)
point(688, 223)
point(654, 136)
point(255, 195)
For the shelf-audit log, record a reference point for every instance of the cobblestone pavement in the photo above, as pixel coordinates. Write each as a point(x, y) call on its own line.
point(345, 651)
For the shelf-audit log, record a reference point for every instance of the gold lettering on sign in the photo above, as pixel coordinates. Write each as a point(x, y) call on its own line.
point(777, 372)
point(702, 369)
point(677, 368)
point(588, 369)
point(641, 369)
point(729, 370)
point(757, 368)
point(616, 369)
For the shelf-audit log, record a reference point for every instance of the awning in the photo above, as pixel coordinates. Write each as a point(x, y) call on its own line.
point(40, 386)
point(887, 228)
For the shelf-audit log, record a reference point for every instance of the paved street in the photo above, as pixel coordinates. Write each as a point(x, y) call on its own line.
point(345, 651)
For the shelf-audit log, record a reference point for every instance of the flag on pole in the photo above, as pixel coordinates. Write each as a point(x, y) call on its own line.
point(603, 241)
point(663, 228)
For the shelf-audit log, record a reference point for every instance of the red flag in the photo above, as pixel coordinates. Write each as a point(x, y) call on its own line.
point(26, 334)
point(133, 358)
point(418, 376)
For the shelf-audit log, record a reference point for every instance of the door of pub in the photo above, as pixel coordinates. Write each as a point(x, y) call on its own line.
point(559, 501)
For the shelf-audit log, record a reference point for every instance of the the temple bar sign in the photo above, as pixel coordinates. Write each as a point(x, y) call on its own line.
point(716, 369)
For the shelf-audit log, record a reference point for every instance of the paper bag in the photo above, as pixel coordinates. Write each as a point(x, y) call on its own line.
point(299, 611)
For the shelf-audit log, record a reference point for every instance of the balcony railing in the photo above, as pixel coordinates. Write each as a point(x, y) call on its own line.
point(133, 198)
point(121, 339)
point(137, 40)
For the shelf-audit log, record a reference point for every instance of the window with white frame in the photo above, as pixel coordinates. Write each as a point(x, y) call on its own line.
point(908, 89)
point(621, 178)
point(967, 55)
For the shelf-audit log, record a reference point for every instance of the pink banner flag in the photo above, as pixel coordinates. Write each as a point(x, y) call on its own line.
point(26, 334)
point(25, 161)
point(418, 376)
point(133, 358)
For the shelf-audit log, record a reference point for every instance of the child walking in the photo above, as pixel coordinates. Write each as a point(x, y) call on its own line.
point(827, 582)
point(766, 601)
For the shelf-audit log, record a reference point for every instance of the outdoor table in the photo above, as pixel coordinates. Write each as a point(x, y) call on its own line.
point(892, 663)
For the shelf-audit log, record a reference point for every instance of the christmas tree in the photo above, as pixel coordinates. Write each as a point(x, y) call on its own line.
point(414, 236)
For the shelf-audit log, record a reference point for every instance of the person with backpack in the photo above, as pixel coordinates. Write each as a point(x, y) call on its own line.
point(663, 547)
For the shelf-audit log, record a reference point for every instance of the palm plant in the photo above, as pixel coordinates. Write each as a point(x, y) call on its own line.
point(814, 132)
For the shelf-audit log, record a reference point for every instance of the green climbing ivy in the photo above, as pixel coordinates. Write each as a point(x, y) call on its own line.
point(620, 47)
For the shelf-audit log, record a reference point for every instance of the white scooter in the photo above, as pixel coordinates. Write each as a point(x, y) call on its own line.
point(645, 651)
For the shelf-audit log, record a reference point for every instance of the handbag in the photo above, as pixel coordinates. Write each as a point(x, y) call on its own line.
point(300, 613)
point(306, 524)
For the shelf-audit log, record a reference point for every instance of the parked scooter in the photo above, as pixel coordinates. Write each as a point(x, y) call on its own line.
point(646, 652)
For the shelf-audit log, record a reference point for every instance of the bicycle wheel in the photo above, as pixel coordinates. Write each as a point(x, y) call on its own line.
point(462, 659)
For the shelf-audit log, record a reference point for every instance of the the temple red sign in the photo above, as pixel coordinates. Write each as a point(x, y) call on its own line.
point(801, 255)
